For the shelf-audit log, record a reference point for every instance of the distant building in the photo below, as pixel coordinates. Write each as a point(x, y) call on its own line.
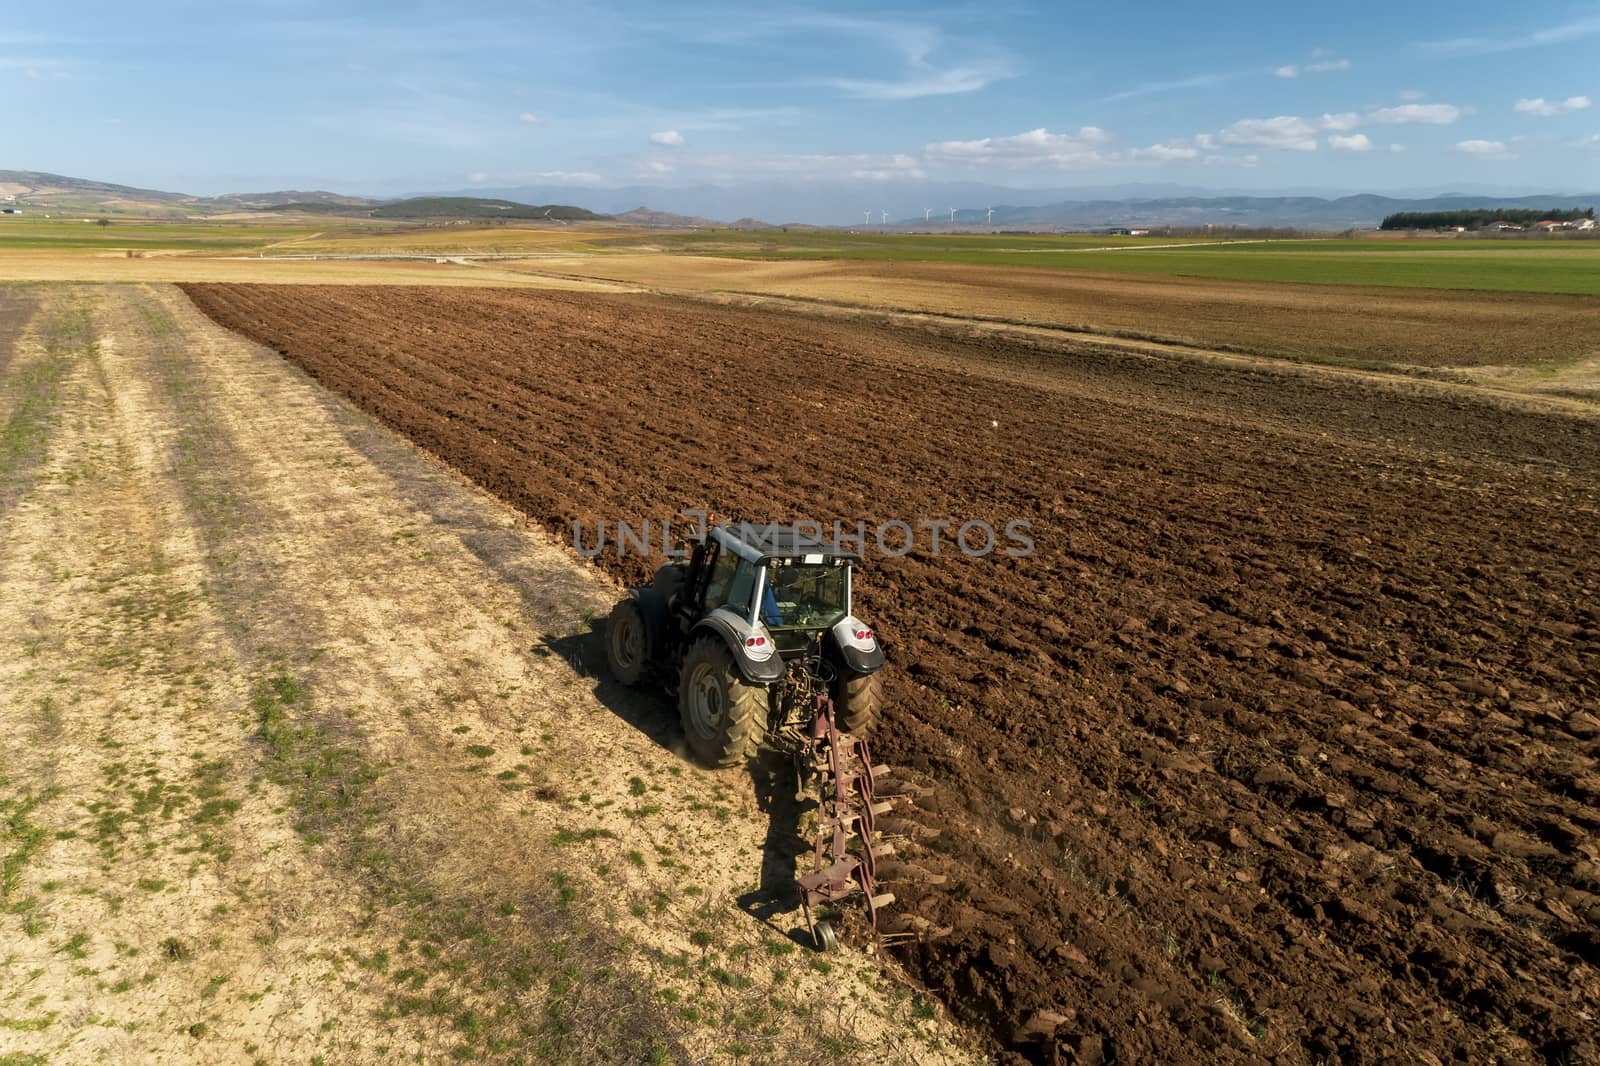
point(1504, 227)
point(1584, 223)
point(1138, 231)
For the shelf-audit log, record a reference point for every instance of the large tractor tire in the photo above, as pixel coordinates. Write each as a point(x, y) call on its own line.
point(722, 716)
point(856, 700)
point(627, 642)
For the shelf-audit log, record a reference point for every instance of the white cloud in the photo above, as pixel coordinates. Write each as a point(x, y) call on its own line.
point(530, 119)
point(1322, 66)
point(656, 166)
point(1356, 142)
point(1343, 122)
point(1587, 26)
point(1165, 153)
point(1282, 132)
point(932, 61)
point(1591, 141)
point(1412, 94)
point(671, 138)
point(948, 82)
point(1484, 149)
point(1416, 114)
point(1545, 108)
point(1396, 149)
point(1088, 146)
point(1198, 81)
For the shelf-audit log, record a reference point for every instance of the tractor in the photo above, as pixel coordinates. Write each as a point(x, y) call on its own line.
point(756, 633)
point(749, 630)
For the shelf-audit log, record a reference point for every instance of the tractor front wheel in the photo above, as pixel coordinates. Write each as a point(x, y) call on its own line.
point(722, 716)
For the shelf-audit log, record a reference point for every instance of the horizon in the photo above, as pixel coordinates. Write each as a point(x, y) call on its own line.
point(1246, 98)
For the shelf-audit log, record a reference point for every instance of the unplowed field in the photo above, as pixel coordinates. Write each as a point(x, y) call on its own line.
point(1334, 323)
point(1280, 746)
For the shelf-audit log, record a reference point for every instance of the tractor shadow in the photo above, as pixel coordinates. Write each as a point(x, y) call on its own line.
point(775, 902)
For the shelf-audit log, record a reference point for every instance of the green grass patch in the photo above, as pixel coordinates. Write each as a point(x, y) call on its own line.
point(1553, 266)
point(23, 839)
point(28, 1025)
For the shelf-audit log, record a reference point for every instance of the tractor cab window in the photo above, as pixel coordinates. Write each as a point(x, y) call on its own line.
point(731, 583)
point(809, 597)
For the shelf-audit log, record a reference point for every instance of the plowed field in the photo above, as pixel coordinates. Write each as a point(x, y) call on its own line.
point(1280, 746)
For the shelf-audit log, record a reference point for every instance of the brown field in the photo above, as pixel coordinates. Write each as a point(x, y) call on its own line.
point(1281, 746)
point(1359, 326)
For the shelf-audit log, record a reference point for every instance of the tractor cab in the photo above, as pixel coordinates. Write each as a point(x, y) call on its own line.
point(755, 608)
point(777, 578)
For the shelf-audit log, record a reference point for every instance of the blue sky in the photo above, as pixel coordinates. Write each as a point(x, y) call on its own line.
point(257, 94)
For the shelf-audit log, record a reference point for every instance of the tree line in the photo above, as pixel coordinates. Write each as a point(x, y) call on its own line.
point(1477, 218)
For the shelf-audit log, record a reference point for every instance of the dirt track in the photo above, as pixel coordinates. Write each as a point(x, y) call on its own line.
point(1281, 746)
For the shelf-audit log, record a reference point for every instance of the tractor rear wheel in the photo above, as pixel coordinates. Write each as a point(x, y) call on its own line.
point(722, 716)
point(626, 642)
point(856, 699)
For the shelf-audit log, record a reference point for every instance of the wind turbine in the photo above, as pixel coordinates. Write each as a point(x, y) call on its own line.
point(952, 214)
point(927, 213)
point(868, 213)
point(991, 216)
point(885, 215)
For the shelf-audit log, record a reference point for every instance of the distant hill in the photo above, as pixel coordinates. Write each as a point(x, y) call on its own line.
point(317, 207)
point(37, 183)
point(644, 216)
point(434, 208)
point(469, 207)
point(43, 191)
point(260, 201)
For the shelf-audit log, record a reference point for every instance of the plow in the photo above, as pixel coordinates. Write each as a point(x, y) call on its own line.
point(853, 856)
point(755, 633)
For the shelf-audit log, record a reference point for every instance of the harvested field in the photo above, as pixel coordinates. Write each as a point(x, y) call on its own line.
point(1280, 747)
point(1339, 323)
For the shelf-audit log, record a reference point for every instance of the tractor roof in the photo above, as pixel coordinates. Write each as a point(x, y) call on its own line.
point(762, 542)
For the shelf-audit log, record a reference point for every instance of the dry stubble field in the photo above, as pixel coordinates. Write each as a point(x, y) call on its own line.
point(1281, 747)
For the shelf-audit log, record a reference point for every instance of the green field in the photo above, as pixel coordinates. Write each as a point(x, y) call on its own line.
point(1553, 266)
point(1568, 266)
point(22, 232)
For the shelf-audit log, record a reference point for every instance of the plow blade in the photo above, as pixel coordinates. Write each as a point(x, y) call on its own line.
point(856, 805)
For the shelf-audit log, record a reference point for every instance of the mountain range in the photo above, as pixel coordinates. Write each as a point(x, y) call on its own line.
point(966, 204)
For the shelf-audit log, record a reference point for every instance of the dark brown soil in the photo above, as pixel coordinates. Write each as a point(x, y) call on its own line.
point(1282, 746)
